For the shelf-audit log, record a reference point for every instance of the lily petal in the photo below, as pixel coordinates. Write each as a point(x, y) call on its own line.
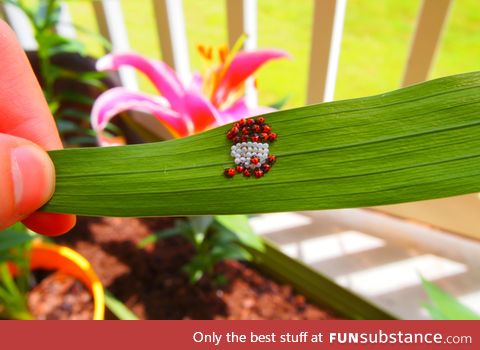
point(201, 111)
point(119, 99)
point(240, 110)
point(161, 75)
point(243, 65)
point(196, 83)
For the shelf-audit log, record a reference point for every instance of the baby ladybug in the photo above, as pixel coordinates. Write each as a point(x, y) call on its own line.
point(251, 140)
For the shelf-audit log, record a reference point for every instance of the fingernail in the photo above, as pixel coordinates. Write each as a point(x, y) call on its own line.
point(33, 176)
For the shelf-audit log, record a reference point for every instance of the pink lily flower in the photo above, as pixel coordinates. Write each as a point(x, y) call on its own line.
point(211, 100)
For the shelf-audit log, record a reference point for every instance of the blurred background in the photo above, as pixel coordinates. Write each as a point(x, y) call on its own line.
point(374, 48)
point(378, 253)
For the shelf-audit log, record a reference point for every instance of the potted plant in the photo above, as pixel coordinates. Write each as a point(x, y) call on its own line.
point(45, 280)
point(153, 283)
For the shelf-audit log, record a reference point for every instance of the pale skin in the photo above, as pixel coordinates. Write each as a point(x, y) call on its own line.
point(27, 130)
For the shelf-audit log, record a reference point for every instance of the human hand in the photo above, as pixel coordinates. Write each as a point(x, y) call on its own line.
point(27, 129)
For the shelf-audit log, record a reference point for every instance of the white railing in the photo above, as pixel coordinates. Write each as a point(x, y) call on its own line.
point(325, 47)
point(19, 22)
point(112, 26)
point(327, 28)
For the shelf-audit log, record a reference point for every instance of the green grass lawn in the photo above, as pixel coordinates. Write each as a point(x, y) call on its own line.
point(374, 48)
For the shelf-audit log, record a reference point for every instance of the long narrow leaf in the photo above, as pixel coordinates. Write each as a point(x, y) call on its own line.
point(239, 225)
point(7, 280)
point(98, 37)
point(163, 234)
point(444, 306)
point(118, 308)
point(434, 312)
point(11, 238)
point(416, 143)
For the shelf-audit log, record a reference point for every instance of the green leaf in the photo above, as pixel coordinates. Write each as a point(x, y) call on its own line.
point(7, 256)
point(48, 40)
point(194, 272)
point(73, 96)
point(82, 140)
point(98, 37)
point(60, 44)
point(47, 14)
point(444, 306)
point(7, 280)
point(18, 227)
point(163, 234)
point(200, 224)
point(11, 238)
point(113, 128)
point(416, 143)
point(66, 126)
point(316, 287)
point(198, 228)
point(88, 78)
point(76, 114)
point(435, 313)
point(231, 251)
point(280, 103)
point(91, 75)
point(53, 106)
point(118, 308)
point(239, 225)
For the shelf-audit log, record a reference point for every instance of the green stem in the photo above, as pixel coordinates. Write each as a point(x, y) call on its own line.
point(23, 315)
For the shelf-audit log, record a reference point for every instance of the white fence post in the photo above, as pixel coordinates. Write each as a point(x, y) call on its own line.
point(327, 30)
point(242, 19)
point(426, 39)
point(65, 27)
point(173, 37)
point(21, 25)
point(112, 25)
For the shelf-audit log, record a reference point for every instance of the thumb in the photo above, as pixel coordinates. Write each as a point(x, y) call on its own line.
point(27, 179)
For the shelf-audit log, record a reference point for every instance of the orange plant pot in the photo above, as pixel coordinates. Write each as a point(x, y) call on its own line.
point(59, 258)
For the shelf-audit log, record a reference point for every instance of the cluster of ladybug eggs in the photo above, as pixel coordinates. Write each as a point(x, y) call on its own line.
point(251, 156)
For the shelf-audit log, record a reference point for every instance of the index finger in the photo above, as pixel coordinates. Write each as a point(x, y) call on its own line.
point(24, 113)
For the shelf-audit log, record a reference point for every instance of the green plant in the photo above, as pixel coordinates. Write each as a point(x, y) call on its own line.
point(15, 244)
point(214, 239)
point(420, 142)
point(444, 306)
point(70, 106)
point(118, 308)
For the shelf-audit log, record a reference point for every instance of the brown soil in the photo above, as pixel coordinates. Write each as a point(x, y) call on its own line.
point(60, 297)
point(150, 281)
